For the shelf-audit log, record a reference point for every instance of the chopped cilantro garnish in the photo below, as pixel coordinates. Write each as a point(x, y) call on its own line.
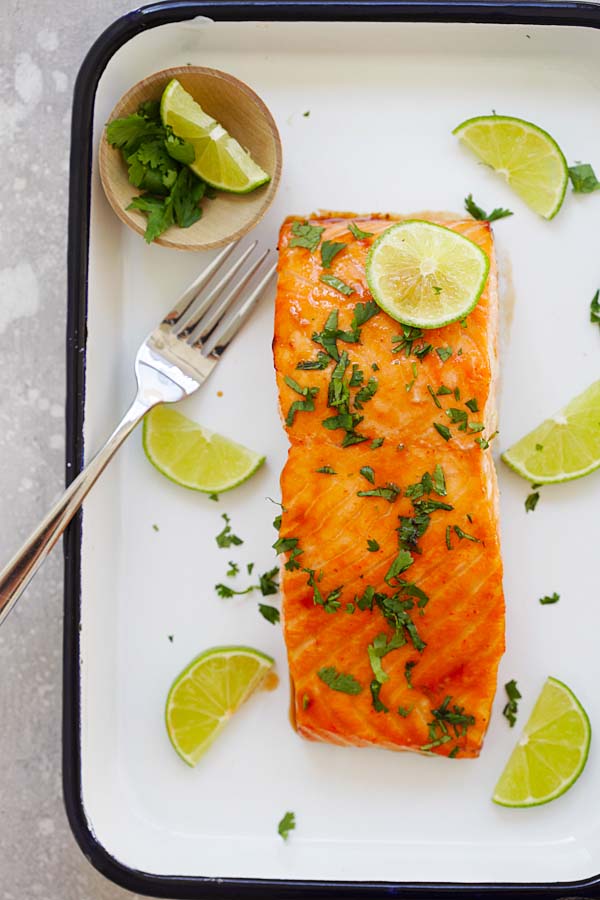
point(357, 377)
point(339, 681)
point(214, 497)
point(306, 701)
point(155, 528)
point(223, 590)
point(553, 598)
point(400, 564)
point(378, 704)
point(443, 390)
point(283, 544)
point(270, 613)
point(531, 501)
point(472, 404)
point(457, 417)
point(482, 443)
point(583, 178)
point(321, 362)
point(357, 232)
point(330, 603)
point(226, 538)
point(426, 507)
point(404, 711)
point(306, 235)
point(433, 396)
point(366, 393)
point(232, 570)
point(372, 545)
point(454, 752)
point(478, 213)
point(448, 538)
point(445, 716)
point(336, 283)
point(250, 566)
point(368, 473)
point(408, 667)
point(443, 430)
point(439, 481)
point(376, 443)
point(512, 707)
point(268, 583)
point(476, 426)
point(457, 394)
point(287, 824)
point(462, 535)
point(407, 340)
point(170, 637)
point(375, 367)
point(389, 492)
point(444, 353)
point(326, 470)
point(329, 250)
point(306, 405)
point(594, 314)
point(276, 524)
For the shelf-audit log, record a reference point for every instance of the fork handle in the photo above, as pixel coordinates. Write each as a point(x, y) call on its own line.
point(17, 574)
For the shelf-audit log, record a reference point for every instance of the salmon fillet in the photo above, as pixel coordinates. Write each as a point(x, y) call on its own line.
point(393, 608)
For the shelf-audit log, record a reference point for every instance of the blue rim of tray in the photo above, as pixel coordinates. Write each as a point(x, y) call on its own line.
point(121, 31)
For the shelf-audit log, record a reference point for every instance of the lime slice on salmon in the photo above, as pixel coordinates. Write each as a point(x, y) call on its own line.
point(206, 694)
point(551, 752)
point(193, 456)
point(425, 275)
point(564, 447)
point(526, 156)
point(220, 160)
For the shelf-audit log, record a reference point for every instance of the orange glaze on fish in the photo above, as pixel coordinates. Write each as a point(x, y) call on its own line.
point(462, 624)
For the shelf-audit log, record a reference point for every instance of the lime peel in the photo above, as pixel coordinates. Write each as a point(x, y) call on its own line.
point(193, 456)
point(551, 753)
point(425, 275)
point(207, 693)
point(220, 160)
point(526, 156)
point(565, 446)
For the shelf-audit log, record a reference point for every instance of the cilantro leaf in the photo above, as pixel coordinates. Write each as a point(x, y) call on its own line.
point(186, 195)
point(462, 535)
point(400, 564)
point(433, 396)
point(226, 538)
point(583, 178)
point(329, 250)
point(478, 213)
point(378, 704)
point(553, 598)
point(128, 132)
point(366, 392)
point(443, 430)
point(268, 583)
point(512, 707)
point(444, 353)
point(357, 232)
point(531, 501)
point(160, 214)
point(337, 283)
point(339, 681)
point(306, 235)
point(180, 150)
point(321, 362)
point(368, 473)
point(270, 613)
point(595, 309)
point(376, 443)
point(233, 569)
point(287, 824)
point(306, 405)
point(326, 470)
point(389, 492)
point(372, 545)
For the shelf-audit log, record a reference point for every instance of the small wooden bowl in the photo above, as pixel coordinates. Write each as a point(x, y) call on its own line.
point(244, 115)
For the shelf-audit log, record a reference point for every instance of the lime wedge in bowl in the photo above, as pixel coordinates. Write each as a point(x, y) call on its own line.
point(551, 752)
point(564, 447)
point(205, 695)
point(193, 456)
point(425, 275)
point(220, 160)
point(526, 156)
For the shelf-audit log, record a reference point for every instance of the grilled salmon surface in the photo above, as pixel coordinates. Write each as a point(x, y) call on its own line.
point(392, 576)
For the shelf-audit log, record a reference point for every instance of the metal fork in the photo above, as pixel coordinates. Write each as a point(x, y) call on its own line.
point(173, 362)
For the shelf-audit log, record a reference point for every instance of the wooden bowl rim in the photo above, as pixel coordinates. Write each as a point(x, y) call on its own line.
point(166, 75)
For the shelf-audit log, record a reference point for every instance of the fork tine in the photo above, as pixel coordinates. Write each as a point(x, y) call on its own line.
point(199, 283)
point(222, 336)
point(216, 312)
point(203, 303)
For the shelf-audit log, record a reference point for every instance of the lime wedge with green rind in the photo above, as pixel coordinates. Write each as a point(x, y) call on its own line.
point(193, 456)
point(425, 275)
point(207, 693)
point(527, 157)
point(551, 752)
point(220, 160)
point(564, 447)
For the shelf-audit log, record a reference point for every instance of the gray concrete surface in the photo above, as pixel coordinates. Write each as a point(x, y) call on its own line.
point(42, 44)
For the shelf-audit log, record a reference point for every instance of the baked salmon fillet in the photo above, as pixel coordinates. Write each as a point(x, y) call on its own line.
point(393, 610)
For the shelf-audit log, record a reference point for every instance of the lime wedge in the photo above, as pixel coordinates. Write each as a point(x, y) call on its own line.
point(563, 447)
point(193, 456)
point(425, 275)
point(220, 160)
point(526, 156)
point(551, 752)
point(205, 695)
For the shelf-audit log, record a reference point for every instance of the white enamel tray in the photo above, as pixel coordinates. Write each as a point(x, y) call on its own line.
point(383, 98)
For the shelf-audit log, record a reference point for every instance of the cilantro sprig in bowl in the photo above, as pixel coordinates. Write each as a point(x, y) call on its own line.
point(152, 154)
